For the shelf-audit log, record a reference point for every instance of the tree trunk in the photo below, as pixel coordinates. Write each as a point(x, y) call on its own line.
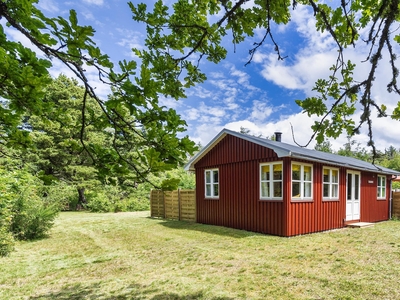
point(82, 199)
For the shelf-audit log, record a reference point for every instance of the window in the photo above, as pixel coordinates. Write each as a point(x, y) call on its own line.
point(381, 187)
point(301, 181)
point(271, 176)
point(330, 184)
point(212, 183)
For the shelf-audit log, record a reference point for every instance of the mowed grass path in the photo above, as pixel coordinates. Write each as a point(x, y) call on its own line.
point(131, 256)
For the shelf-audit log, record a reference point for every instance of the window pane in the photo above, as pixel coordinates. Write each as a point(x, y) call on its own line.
point(307, 173)
point(357, 185)
point(335, 191)
point(326, 175)
point(278, 189)
point(277, 169)
point(265, 173)
point(295, 189)
point(349, 185)
point(326, 190)
point(335, 176)
point(208, 190)
point(307, 189)
point(296, 172)
point(216, 190)
point(215, 176)
point(208, 177)
point(265, 189)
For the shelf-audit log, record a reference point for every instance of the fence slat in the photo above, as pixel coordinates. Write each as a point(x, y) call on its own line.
point(177, 205)
point(157, 204)
point(396, 205)
point(171, 205)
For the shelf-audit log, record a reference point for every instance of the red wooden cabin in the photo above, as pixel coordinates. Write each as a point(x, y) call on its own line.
point(271, 187)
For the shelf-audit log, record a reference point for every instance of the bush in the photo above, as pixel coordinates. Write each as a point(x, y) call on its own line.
point(6, 241)
point(98, 202)
point(110, 198)
point(61, 194)
point(32, 219)
point(30, 214)
point(138, 204)
point(6, 238)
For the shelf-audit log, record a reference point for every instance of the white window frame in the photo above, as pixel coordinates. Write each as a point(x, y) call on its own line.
point(381, 188)
point(212, 184)
point(271, 181)
point(330, 184)
point(302, 182)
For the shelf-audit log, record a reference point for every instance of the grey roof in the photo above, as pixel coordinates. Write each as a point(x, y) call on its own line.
point(287, 150)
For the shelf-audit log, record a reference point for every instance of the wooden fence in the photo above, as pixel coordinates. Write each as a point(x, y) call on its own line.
point(396, 205)
point(177, 205)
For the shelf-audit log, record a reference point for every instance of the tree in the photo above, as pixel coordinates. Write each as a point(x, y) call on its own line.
point(353, 149)
point(181, 36)
point(244, 130)
point(325, 146)
point(57, 152)
point(391, 152)
point(132, 111)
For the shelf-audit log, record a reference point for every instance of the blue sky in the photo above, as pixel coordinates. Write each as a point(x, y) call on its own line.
point(260, 96)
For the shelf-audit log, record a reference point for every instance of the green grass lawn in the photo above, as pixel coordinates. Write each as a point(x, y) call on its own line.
point(131, 256)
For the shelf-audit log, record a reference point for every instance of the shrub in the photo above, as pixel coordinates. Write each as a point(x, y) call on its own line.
point(6, 241)
point(98, 202)
point(114, 199)
point(6, 238)
point(138, 204)
point(30, 214)
point(61, 194)
point(31, 218)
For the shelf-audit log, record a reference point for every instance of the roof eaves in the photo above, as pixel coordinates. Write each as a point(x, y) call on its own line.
point(282, 151)
point(347, 165)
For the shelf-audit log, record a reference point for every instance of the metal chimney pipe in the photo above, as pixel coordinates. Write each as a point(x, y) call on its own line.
point(278, 136)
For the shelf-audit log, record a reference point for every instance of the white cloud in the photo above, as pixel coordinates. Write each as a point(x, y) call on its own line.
point(260, 111)
point(169, 102)
point(131, 39)
point(95, 2)
point(201, 92)
point(217, 75)
point(48, 5)
point(88, 15)
point(302, 74)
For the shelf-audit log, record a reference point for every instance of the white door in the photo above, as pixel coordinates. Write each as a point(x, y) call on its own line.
point(353, 196)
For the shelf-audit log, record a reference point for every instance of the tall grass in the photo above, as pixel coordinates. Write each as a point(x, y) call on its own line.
point(131, 256)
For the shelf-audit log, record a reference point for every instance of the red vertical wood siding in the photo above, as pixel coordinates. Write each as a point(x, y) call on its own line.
point(316, 215)
point(372, 209)
point(239, 205)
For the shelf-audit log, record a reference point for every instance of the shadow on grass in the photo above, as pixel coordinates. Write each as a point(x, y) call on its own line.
point(133, 291)
point(211, 229)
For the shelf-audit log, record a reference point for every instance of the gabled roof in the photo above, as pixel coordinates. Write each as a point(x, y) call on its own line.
point(287, 150)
